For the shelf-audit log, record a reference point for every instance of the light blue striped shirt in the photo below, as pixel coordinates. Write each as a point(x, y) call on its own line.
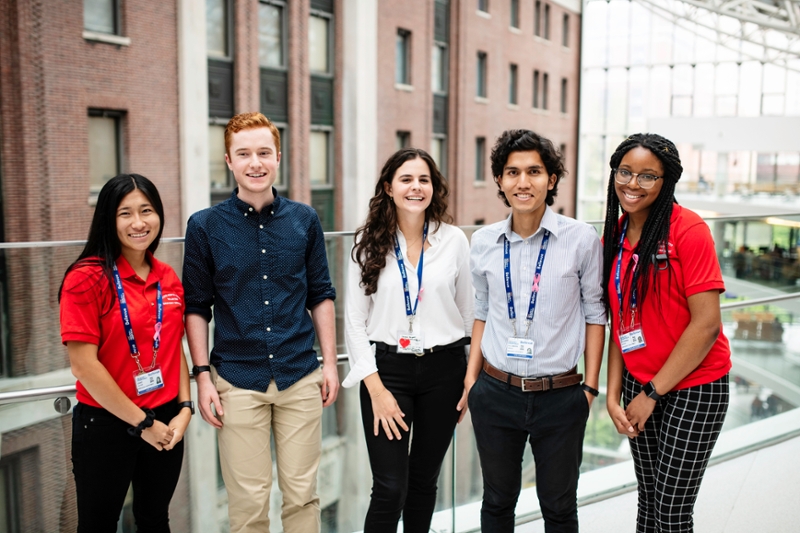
point(570, 292)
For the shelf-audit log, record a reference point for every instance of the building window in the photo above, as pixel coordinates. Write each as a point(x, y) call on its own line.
point(481, 85)
point(547, 21)
point(512, 84)
point(320, 154)
point(402, 139)
point(319, 44)
point(563, 149)
point(217, 39)
point(402, 56)
point(565, 31)
point(101, 16)
point(270, 35)
point(10, 494)
point(219, 176)
point(515, 13)
point(483, 5)
point(536, 89)
point(439, 153)
point(105, 147)
point(537, 18)
point(480, 159)
point(563, 95)
point(439, 68)
point(544, 91)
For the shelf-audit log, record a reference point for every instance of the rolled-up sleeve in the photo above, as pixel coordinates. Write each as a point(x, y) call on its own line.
point(594, 310)
point(198, 282)
point(479, 281)
point(318, 277)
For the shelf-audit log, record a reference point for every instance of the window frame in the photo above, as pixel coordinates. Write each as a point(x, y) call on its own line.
point(117, 19)
point(547, 21)
point(537, 18)
point(480, 159)
point(441, 137)
point(536, 89)
point(329, 158)
point(481, 88)
point(545, 83)
point(402, 42)
point(445, 66)
point(402, 139)
point(229, 42)
point(513, 84)
point(564, 95)
point(565, 30)
point(514, 22)
point(330, 44)
point(284, 29)
point(483, 6)
point(118, 116)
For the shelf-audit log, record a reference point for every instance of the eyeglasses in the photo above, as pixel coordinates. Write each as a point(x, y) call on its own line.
point(645, 181)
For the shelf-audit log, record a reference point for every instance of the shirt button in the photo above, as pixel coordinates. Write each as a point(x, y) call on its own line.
point(269, 329)
point(152, 303)
point(245, 214)
point(270, 356)
point(266, 302)
point(265, 277)
point(250, 209)
point(263, 251)
point(261, 226)
point(272, 212)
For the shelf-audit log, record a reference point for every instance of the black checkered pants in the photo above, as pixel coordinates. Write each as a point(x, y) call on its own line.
point(671, 454)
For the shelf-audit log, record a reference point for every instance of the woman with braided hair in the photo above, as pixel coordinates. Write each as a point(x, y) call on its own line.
point(669, 360)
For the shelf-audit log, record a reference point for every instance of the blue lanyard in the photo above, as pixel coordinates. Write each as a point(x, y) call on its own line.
point(411, 312)
point(126, 321)
point(617, 276)
point(537, 277)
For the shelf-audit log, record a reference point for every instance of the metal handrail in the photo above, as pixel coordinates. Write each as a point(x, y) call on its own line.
point(49, 393)
point(350, 233)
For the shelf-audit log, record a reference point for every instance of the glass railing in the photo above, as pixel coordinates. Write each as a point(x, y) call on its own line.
point(36, 486)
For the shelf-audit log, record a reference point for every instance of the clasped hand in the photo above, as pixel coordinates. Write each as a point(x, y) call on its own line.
point(630, 422)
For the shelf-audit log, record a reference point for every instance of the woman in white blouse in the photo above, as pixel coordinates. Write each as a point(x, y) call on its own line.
point(408, 316)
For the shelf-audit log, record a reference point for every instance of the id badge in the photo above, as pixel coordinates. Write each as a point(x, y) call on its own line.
point(408, 342)
point(632, 340)
point(149, 381)
point(519, 348)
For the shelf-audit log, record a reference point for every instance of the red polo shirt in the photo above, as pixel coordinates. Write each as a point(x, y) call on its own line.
point(694, 269)
point(88, 314)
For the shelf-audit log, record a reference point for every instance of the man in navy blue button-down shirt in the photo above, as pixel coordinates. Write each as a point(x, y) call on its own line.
point(259, 260)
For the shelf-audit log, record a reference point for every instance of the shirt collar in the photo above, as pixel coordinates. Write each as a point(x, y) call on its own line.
point(126, 270)
point(549, 222)
point(243, 207)
point(434, 233)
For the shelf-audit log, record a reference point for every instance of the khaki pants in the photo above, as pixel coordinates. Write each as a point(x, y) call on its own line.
point(295, 416)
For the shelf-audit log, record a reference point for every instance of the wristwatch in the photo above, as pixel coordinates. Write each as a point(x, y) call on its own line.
point(187, 404)
point(649, 390)
point(196, 370)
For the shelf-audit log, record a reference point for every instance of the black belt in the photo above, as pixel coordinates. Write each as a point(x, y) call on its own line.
point(391, 348)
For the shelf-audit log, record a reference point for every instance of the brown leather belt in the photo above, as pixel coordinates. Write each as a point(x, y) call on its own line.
point(567, 379)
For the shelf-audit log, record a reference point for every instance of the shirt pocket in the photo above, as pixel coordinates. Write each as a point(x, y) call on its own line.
point(559, 296)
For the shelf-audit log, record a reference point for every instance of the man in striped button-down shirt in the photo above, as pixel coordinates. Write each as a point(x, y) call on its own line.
point(538, 308)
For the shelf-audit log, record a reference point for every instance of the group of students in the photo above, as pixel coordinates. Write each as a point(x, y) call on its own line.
point(434, 325)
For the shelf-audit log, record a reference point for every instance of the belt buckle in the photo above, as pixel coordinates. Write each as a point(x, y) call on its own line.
point(524, 384)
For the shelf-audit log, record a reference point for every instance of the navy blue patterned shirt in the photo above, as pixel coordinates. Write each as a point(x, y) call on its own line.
point(261, 272)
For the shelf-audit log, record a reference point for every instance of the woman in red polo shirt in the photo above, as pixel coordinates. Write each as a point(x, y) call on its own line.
point(122, 322)
point(669, 359)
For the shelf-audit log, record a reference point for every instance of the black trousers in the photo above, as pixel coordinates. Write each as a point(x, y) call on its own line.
point(671, 454)
point(106, 460)
point(427, 389)
point(553, 422)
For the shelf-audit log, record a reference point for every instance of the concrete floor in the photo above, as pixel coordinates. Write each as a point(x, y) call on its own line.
point(755, 493)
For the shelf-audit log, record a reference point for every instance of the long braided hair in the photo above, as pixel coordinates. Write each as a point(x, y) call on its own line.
point(655, 233)
point(375, 239)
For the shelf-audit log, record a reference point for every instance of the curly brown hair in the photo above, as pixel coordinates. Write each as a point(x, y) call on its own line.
point(375, 239)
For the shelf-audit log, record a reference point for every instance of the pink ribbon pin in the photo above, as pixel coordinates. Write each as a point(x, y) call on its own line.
point(157, 334)
point(536, 279)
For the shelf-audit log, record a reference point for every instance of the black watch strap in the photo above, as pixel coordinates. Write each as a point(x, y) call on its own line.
point(200, 369)
point(591, 390)
point(187, 405)
point(649, 390)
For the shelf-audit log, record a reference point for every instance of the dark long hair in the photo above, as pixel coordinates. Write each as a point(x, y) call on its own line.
point(655, 233)
point(375, 238)
point(103, 246)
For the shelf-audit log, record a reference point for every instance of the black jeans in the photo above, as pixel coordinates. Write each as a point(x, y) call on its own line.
point(553, 422)
point(427, 389)
point(106, 460)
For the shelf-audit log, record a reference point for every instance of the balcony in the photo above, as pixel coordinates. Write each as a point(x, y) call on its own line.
point(755, 466)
